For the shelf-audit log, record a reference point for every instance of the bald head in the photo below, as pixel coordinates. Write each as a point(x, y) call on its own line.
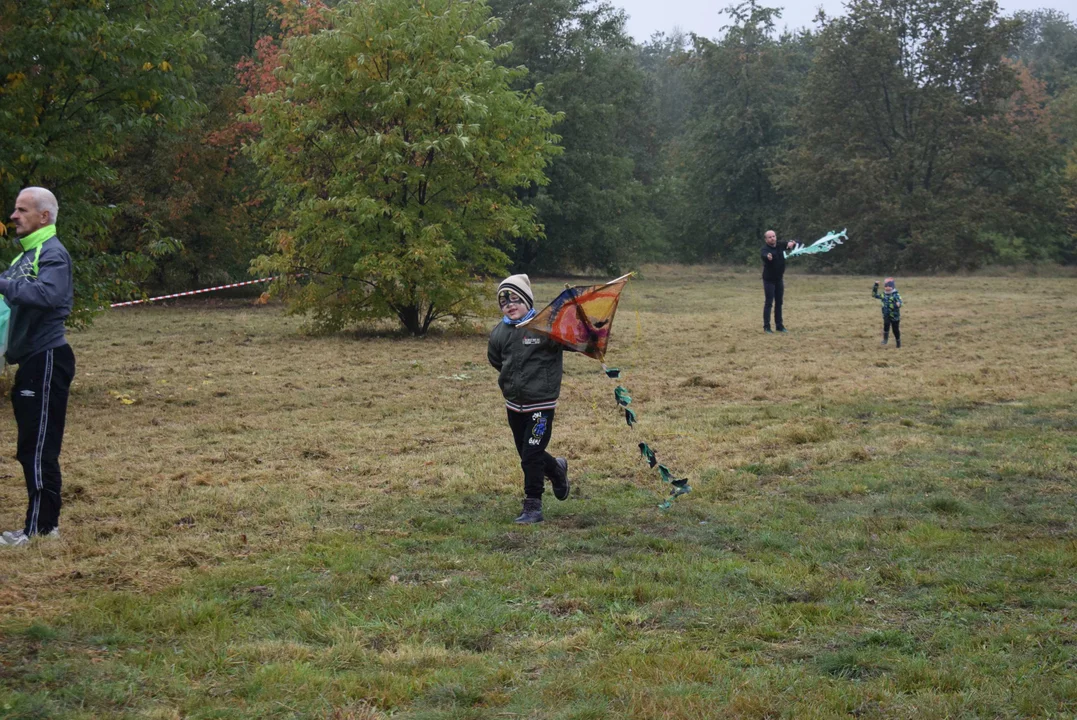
point(35, 208)
point(771, 238)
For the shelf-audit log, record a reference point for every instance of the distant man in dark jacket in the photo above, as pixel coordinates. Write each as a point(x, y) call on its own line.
point(38, 289)
point(773, 270)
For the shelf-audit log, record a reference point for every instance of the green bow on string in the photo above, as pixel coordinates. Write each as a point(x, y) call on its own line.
point(678, 486)
point(581, 318)
point(648, 454)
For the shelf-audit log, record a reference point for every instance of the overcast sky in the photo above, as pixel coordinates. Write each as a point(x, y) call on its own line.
point(701, 16)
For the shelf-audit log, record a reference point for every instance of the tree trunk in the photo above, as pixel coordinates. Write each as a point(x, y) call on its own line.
point(409, 317)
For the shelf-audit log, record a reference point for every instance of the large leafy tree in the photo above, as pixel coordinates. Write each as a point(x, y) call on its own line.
point(1047, 43)
point(595, 209)
point(744, 88)
point(666, 154)
point(664, 60)
point(918, 135)
point(78, 80)
point(1064, 123)
point(396, 146)
point(190, 191)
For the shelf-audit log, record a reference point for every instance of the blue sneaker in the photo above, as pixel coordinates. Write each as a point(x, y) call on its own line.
point(768, 330)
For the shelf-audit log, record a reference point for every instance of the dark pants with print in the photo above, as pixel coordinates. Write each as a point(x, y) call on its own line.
point(774, 292)
point(889, 325)
point(39, 399)
point(532, 431)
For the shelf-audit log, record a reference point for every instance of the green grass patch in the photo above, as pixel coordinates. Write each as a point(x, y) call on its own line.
point(253, 540)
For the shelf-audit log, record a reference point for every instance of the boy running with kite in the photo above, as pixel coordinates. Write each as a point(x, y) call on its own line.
point(529, 368)
point(579, 319)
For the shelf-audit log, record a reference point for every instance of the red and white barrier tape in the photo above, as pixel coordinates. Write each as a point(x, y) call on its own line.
point(193, 292)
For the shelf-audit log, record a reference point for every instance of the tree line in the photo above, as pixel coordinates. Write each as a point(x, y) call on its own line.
point(393, 151)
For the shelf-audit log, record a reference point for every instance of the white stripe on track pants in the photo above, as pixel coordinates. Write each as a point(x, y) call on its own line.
point(39, 398)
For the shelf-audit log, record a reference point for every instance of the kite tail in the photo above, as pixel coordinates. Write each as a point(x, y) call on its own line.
point(678, 486)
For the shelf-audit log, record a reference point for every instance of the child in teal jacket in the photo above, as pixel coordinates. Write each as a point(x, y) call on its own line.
point(891, 300)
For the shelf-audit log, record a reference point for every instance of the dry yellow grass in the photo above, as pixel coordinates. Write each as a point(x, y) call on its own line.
point(260, 523)
point(246, 436)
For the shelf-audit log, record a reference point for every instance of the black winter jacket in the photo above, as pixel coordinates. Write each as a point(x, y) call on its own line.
point(529, 366)
point(773, 270)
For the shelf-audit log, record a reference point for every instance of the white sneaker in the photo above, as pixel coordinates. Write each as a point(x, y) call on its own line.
point(18, 538)
point(15, 538)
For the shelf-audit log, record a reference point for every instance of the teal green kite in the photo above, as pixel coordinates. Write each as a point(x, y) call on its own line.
point(824, 244)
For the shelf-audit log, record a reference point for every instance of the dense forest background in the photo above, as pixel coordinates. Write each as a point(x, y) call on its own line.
point(940, 133)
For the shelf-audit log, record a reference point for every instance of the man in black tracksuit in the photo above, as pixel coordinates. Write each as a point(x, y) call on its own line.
point(39, 291)
point(773, 287)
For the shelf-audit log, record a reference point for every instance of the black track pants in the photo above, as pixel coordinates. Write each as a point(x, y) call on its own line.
point(531, 431)
point(774, 293)
point(39, 398)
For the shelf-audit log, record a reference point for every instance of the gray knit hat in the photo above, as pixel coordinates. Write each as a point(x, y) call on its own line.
point(521, 285)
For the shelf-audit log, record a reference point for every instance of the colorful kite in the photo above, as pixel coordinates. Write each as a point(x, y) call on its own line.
point(822, 245)
point(581, 318)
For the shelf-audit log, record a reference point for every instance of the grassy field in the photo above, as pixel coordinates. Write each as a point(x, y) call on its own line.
point(263, 524)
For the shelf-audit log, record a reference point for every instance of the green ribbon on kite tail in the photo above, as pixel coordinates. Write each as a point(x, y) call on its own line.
point(581, 318)
point(678, 486)
point(824, 244)
point(648, 454)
